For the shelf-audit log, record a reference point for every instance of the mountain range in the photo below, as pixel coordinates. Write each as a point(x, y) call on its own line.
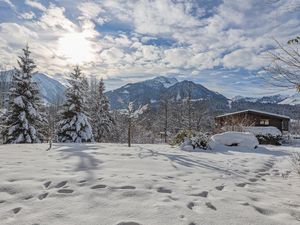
point(274, 99)
point(159, 88)
point(51, 90)
point(152, 91)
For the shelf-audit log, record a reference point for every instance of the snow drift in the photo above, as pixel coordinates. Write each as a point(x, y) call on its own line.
point(233, 139)
point(274, 131)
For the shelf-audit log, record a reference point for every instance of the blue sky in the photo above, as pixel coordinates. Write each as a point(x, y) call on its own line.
point(220, 44)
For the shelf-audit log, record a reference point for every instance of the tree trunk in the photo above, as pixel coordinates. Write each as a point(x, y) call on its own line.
point(166, 121)
point(129, 132)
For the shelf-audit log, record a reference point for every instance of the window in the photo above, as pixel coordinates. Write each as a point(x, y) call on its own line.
point(264, 122)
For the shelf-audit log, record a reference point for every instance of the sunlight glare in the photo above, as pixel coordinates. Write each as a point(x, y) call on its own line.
point(76, 48)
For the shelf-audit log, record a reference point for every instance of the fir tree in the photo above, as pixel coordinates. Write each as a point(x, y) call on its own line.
point(74, 126)
point(24, 121)
point(101, 118)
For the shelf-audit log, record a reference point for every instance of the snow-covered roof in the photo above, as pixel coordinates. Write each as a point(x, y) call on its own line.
point(254, 111)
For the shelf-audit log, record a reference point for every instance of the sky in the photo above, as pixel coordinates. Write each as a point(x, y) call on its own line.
point(221, 44)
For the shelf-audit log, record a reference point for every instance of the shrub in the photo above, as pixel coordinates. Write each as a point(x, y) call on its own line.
point(295, 161)
point(266, 135)
point(199, 140)
point(181, 137)
point(269, 139)
point(187, 138)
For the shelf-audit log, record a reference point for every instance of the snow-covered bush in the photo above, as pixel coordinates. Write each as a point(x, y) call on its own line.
point(190, 140)
point(295, 161)
point(233, 139)
point(266, 135)
point(181, 137)
point(200, 140)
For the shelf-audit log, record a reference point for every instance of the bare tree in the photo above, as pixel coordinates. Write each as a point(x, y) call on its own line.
point(131, 114)
point(165, 106)
point(284, 70)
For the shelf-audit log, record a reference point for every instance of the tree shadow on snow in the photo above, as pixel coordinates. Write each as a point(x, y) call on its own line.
point(187, 161)
point(87, 160)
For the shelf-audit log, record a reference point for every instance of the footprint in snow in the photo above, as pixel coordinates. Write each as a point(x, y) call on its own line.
point(220, 188)
point(296, 215)
point(61, 184)
point(203, 194)
point(42, 196)
point(241, 184)
point(2, 201)
point(127, 187)
point(128, 223)
point(99, 186)
point(47, 184)
point(28, 197)
point(65, 191)
point(263, 211)
point(164, 190)
point(191, 205)
point(211, 206)
point(16, 210)
point(253, 179)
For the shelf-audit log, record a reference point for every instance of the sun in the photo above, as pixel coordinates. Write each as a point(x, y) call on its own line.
point(76, 48)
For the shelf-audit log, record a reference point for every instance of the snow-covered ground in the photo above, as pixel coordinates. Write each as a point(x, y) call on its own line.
point(110, 184)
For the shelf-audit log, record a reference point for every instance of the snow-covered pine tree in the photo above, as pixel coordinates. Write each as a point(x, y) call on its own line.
point(24, 121)
point(74, 126)
point(100, 116)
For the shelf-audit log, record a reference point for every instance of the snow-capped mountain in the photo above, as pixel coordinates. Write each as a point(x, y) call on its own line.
point(51, 90)
point(291, 100)
point(152, 91)
point(181, 90)
point(274, 99)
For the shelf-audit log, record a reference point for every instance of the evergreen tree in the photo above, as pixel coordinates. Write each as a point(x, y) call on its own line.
point(100, 115)
point(74, 126)
point(24, 121)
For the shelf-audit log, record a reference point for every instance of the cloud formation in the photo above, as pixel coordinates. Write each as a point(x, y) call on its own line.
point(191, 39)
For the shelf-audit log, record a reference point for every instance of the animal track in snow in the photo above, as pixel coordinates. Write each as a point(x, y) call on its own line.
point(61, 184)
point(164, 190)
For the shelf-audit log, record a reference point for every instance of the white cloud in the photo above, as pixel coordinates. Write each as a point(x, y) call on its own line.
point(35, 4)
point(92, 11)
point(27, 15)
point(8, 2)
point(186, 36)
point(243, 58)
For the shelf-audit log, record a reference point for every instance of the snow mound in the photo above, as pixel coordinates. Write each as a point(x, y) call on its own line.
point(264, 131)
point(233, 139)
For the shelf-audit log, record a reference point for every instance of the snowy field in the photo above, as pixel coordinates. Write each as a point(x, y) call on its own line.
point(110, 184)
